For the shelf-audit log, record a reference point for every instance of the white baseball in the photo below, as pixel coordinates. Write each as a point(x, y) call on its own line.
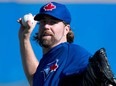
point(27, 17)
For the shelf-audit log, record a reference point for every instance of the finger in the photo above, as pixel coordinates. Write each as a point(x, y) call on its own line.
point(19, 20)
point(22, 27)
point(30, 23)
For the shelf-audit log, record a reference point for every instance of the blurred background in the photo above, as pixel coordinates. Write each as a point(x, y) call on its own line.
point(93, 23)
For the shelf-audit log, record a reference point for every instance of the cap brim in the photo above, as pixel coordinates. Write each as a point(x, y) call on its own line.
point(38, 17)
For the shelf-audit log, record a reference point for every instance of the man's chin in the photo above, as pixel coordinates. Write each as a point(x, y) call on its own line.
point(46, 43)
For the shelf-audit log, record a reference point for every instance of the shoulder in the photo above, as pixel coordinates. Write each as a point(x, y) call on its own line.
point(77, 59)
point(78, 49)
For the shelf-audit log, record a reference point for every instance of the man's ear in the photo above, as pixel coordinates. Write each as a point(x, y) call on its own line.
point(67, 29)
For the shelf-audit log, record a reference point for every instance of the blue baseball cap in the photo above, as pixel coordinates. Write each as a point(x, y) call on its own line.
point(56, 10)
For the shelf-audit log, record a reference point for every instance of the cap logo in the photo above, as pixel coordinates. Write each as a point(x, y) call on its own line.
point(49, 7)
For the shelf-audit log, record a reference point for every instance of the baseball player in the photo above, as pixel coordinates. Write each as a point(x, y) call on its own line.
point(63, 63)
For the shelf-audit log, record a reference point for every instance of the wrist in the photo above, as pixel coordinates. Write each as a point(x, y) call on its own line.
point(24, 39)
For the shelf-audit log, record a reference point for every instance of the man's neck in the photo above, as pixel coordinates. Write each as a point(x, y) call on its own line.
point(45, 50)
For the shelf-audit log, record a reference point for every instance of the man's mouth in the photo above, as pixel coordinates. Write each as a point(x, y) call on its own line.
point(46, 34)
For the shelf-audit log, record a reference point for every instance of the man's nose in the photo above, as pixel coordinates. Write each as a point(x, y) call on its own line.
point(47, 26)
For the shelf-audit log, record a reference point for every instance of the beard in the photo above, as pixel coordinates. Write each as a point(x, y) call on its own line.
point(46, 43)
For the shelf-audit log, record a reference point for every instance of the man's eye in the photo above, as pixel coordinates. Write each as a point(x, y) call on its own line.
point(42, 21)
point(49, 21)
point(53, 22)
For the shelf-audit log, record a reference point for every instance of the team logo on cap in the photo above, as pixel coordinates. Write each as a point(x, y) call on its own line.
point(49, 7)
point(51, 67)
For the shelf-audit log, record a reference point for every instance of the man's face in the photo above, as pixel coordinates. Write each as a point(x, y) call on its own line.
point(51, 32)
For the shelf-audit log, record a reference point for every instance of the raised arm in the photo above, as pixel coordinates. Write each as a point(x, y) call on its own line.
point(29, 59)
